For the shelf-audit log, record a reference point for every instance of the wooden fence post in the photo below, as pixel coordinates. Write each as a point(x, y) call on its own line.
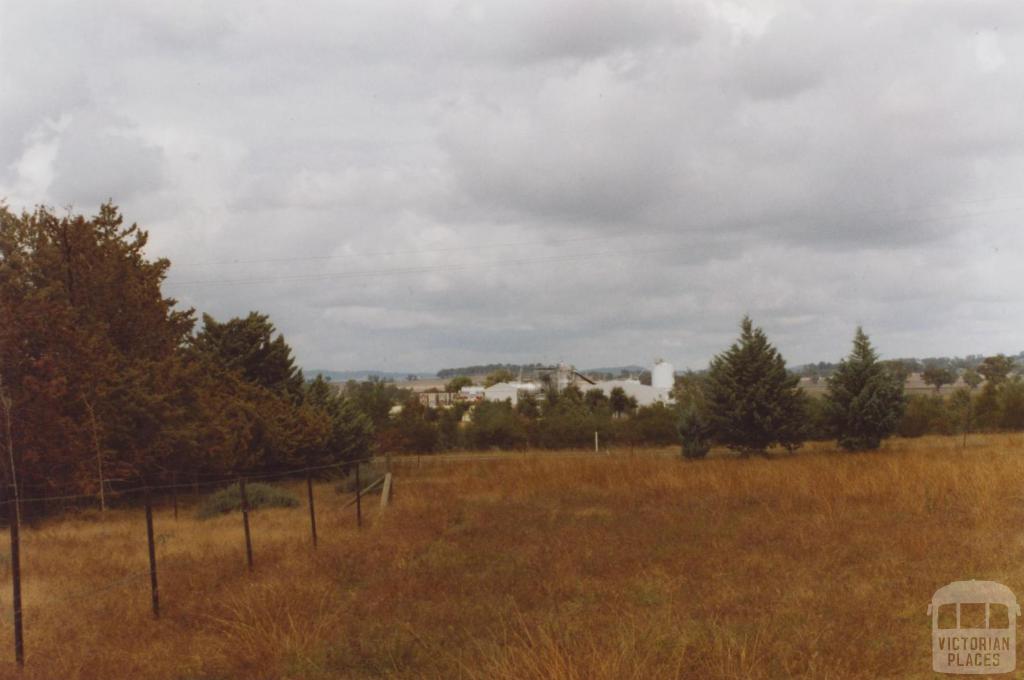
point(245, 521)
point(19, 639)
point(312, 508)
point(152, 556)
point(385, 494)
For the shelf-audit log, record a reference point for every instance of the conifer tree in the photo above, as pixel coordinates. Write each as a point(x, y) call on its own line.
point(864, 401)
point(753, 401)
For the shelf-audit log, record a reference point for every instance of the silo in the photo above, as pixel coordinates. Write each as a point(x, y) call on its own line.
point(663, 375)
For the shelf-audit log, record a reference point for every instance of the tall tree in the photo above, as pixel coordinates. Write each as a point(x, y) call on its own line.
point(351, 431)
point(248, 346)
point(753, 401)
point(865, 401)
point(86, 330)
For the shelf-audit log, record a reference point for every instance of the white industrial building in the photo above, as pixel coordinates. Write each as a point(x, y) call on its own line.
point(509, 391)
point(659, 391)
point(663, 379)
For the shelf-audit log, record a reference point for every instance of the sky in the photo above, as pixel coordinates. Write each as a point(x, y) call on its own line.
point(412, 185)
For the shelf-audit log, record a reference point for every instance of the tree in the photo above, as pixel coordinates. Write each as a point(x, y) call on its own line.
point(996, 368)
point(502, 375)
point(864, 401)
point(971, 378)
point(694, 424)
point(496, 424)
point(595, 399)
point(528, 406)
point(937, 376)
point(350, 430)
point(618, 401)
point(753, 402)
point(457, 383)
point(88, 347)
point(248, 346)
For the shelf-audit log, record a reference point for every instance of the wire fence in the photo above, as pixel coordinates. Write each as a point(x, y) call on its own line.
point(145, 493)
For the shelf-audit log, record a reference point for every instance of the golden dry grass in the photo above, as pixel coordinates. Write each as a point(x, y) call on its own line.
point(819, 565)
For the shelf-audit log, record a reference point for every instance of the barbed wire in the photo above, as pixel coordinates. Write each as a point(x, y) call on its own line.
point(222, 480)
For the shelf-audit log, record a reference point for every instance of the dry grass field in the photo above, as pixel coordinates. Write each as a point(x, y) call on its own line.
point(816, 565)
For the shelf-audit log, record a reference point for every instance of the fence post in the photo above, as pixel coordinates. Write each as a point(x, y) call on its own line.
point(19, 639)
point(174, 494)
point(245, 521)
point(152, 555)
point(385, 493)
point(312, 508)
point(359, 503)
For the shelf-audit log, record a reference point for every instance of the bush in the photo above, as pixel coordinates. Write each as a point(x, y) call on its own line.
point(655, 425)
point(926, 415)
point(259, 495)
point(497, 424)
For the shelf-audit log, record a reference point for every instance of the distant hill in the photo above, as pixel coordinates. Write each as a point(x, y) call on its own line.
point(344, 376)
point(529, 369)
point(486, 369)
point(616, 370)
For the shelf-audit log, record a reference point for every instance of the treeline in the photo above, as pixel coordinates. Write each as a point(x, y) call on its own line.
point(486, 369)
point(745, 400)
point(567, 419)
point(102, 377)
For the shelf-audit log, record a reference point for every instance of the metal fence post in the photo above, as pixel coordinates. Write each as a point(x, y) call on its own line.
point(245, 521)
point(19, 639)
point(152, 555)
point(312, 508)
point(174, 494)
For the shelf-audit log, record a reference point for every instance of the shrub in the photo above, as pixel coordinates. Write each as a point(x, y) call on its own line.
point(497, 424)
point(259, 495)
point(925, 415)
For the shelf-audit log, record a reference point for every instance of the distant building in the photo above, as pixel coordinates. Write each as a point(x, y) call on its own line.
point(645, 395)
point(509, 391)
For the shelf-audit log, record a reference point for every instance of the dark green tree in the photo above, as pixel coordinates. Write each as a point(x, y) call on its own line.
point(248, 346)
point(865, 401)
point(753, 401)
point(618, 401)
point(694, 425)
point(351, 432)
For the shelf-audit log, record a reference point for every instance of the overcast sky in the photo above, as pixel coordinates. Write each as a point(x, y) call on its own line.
point(409, 185)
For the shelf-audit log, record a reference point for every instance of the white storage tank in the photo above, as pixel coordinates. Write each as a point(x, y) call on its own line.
point(663, 375)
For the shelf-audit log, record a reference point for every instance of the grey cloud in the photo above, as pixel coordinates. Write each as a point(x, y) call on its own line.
point(99, 157)
point(654, 169)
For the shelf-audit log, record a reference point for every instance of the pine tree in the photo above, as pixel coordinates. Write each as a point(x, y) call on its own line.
point(753, 401)
point(864, 401)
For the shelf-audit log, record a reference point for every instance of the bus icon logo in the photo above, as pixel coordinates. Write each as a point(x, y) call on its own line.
point(974, 628)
